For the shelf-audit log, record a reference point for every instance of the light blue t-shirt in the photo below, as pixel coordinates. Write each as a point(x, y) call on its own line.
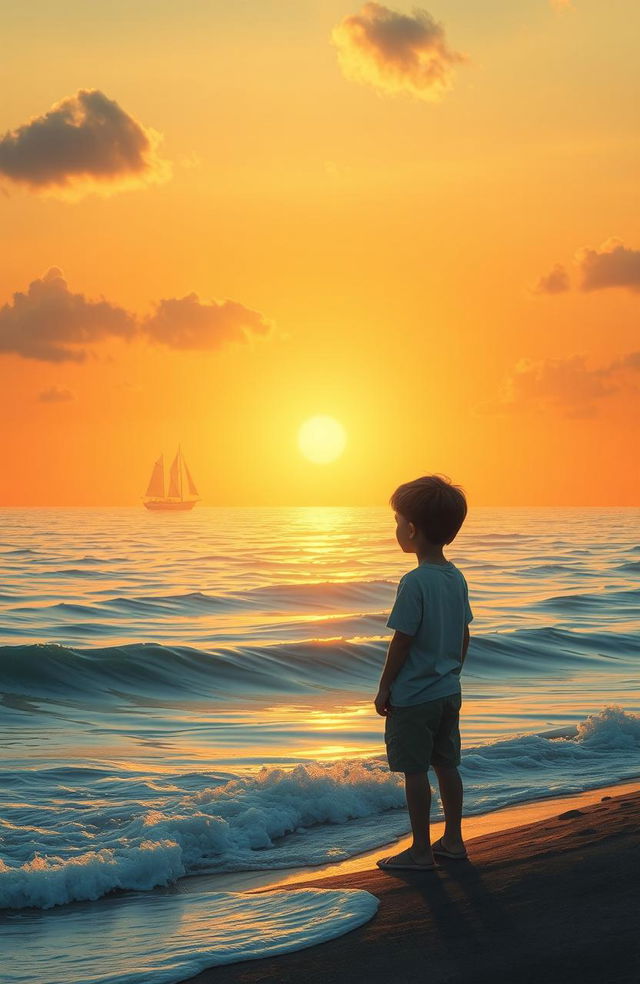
point(432, 605)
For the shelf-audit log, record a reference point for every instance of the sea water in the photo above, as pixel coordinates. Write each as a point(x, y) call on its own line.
point(192, 693)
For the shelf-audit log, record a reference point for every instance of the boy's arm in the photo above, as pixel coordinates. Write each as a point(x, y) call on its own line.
point(396, 655)
point(465, 643)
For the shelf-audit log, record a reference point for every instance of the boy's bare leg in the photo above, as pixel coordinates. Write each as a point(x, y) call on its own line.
point(418, 791)
point(450, 785)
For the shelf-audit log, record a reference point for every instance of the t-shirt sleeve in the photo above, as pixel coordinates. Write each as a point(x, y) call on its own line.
point(468, 614)
point(406, 614)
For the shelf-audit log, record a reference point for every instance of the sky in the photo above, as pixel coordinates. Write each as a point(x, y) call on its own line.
point(221, 220)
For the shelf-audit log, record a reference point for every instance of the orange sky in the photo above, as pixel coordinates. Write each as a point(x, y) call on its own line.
point(393, 240)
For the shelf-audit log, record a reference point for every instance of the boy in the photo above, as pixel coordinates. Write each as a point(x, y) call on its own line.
point(419, 693)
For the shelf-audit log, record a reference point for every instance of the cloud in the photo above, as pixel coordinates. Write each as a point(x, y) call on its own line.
point(612, 265)
point(564, 385)
point(56, 394)
point(629, 361)
point(50, 323)
point(562, 5)
point(396, 52)
point(188, 323)
point(85, 143)
point(555, 282)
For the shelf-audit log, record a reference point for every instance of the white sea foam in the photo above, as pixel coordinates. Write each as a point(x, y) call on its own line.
point(604, 748)
point(611, 729)
point(230, 826)
point(167, 938)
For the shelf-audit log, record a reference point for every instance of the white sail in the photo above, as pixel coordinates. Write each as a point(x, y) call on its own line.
point(156, 482)
point(192, 487)
point(174, 478)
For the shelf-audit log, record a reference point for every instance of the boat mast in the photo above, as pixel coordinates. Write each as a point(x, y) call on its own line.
point(180, 472)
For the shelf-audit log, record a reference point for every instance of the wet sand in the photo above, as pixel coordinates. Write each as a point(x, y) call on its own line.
point(551, 901)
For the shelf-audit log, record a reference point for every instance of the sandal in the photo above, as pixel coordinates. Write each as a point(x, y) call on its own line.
point(439, 848)
point(397, 862)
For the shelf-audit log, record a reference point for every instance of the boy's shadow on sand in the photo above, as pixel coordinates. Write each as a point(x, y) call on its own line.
point(459, 904)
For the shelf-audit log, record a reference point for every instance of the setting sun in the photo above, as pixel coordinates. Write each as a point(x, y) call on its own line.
point(322, 439)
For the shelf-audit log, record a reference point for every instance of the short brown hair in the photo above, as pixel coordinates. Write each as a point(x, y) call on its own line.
point(434, 505)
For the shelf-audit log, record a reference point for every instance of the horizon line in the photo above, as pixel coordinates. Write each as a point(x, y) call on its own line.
point(375, 505)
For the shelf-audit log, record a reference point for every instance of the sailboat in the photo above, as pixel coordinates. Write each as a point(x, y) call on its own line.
point(179, 476)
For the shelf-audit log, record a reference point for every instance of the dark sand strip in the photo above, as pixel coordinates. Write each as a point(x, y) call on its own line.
point(552, 902)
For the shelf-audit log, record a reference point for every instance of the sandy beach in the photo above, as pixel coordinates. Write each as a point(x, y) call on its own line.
point(553, 901)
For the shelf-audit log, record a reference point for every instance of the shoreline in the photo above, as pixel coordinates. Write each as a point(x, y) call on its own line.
point(551, 900)
point(493, 821)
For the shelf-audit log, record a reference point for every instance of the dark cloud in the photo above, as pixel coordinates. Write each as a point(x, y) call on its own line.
point(630, 361)
point(562, 385)
point(85, 143)
point(612, 265)
point(188, 323)
point(396, 52)
point(50, 323)
point(55, 394)
point(555, 282)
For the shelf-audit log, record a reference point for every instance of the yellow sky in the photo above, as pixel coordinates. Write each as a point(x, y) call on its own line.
point(393, 241)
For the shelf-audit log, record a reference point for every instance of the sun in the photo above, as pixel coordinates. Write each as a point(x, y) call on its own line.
point(322, 439)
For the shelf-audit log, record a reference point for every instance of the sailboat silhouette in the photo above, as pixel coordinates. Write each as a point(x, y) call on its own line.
point(155, 497)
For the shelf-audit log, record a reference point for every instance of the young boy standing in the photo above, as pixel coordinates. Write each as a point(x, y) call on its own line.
point(419, 694)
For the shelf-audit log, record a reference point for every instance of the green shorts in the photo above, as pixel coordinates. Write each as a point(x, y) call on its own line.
point(423, 734)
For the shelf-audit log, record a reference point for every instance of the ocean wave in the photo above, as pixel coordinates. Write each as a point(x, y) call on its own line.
point(283, 598)
point(79, 572)
point(535, 570)
point(93, 559)
point(312, 814)
point(631, 567)
point(547, 652)
point(106, 674)
point(617, 604)
point(140, 669)
point(325, 596)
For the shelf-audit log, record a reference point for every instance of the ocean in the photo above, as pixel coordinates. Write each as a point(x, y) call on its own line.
point(186, 694)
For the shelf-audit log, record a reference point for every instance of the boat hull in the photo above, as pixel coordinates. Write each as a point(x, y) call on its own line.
point(179, 506)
